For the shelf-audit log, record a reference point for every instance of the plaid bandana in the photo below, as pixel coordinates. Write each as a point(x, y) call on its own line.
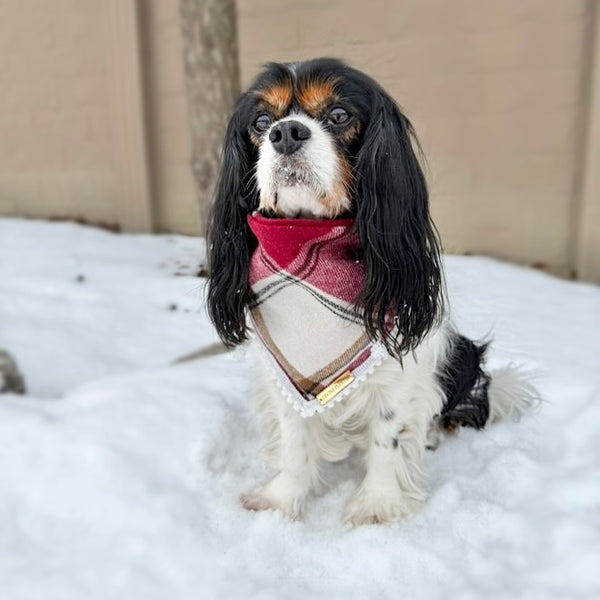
point(305, 276)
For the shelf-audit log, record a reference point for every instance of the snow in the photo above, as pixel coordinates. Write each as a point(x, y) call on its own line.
point(120, 471)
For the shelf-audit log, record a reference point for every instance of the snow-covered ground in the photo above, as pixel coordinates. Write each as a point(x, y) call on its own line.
point(120, 472)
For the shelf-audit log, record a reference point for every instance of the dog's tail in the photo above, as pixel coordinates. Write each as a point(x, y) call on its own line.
point(474, 397)
point(511, 393)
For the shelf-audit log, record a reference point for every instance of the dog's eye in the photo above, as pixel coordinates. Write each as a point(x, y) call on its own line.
point(262, 123)
point(338, 116)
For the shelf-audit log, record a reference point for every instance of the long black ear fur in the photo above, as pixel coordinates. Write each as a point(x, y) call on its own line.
point(400, 244)
point(229, 243)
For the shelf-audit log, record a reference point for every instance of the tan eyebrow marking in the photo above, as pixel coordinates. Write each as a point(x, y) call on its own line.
point(278, 96)
point(314, 95)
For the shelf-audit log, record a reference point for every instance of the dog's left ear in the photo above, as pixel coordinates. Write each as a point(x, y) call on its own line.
point(403, 274)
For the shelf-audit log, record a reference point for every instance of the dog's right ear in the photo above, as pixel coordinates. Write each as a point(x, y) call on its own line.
point(230, 243)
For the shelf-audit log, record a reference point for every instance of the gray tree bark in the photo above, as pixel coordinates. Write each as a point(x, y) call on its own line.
point(210, 54)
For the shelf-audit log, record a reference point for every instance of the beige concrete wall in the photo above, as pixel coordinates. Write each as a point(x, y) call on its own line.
point(588, 234)
point(174, 193)
point(93, 121)
point(70, 118)
point(494, 89)
point(93, 115)
point(54, 112)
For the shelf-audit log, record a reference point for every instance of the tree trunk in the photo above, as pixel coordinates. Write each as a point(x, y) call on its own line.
point(210, 53)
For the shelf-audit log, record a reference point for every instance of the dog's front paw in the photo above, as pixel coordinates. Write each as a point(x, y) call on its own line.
point(278, 494)
point(378, 507)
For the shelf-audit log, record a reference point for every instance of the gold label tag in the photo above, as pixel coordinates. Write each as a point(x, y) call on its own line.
point(335, 387)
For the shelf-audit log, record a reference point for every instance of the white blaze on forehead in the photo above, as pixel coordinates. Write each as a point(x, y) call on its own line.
point(321, 174)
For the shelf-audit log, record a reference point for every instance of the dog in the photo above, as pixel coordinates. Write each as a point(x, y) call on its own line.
point(320, 235)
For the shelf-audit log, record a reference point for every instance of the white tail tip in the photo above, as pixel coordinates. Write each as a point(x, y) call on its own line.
point(511, 393)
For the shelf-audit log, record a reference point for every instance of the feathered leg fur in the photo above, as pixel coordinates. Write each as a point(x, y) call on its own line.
point(388, 416)
point(291, 449)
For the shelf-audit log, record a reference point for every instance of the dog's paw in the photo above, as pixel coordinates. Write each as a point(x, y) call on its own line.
point(377, 507)
point(276, 495)
point(254, 501)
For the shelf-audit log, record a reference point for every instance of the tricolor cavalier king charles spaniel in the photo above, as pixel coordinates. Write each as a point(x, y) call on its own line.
point(323, 254)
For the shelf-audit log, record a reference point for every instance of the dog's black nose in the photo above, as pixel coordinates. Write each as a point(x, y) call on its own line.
point(287, 137)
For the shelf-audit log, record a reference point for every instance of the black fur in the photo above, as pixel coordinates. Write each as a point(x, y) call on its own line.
point(400, 244)
point(230, 246)
point(465, 385)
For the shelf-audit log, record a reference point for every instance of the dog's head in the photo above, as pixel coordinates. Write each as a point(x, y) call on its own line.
point(321, 140)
